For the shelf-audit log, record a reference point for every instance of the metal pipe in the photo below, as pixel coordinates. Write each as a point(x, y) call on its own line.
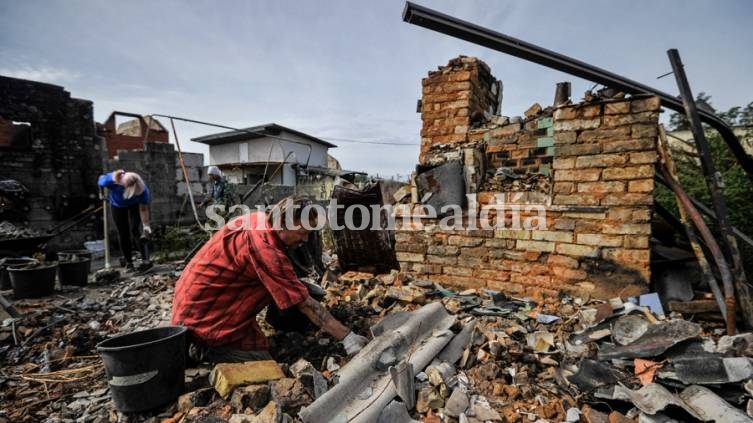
point(185, 176)
point(715, 185)
point(716, 252)
point(431, 19)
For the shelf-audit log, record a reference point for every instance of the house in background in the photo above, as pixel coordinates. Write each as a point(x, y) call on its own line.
point(132, 134)
point(288, 160)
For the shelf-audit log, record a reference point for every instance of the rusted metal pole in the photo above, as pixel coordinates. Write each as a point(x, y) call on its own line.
point(669, 166)
point(728, 305)
point(716, 185)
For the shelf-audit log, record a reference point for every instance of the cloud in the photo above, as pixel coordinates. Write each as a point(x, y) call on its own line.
point(43, 74)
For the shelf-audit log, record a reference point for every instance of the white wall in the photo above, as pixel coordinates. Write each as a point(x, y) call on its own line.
point(259, 151)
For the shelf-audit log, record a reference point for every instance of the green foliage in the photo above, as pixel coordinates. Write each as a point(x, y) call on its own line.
point(738, 191)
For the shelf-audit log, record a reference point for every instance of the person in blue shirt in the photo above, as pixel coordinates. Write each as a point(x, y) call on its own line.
point(129, 201)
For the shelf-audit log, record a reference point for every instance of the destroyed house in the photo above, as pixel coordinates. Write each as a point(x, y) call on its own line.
point(582, 173)
point(132, 134)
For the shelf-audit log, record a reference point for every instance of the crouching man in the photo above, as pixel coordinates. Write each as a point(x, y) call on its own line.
point(239, 271)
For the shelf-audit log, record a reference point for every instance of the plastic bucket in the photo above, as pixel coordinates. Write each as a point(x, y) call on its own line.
point(70, 255)
point(34, 282)
point(74, 272)
point(145, 369)
point(5, 264)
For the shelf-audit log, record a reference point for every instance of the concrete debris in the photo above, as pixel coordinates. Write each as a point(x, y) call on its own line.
point(457, 403)
point(657, 339)
point(290, 394)
point(312, 379)
point(496, 358)
point(395, 412)
point(252, 397)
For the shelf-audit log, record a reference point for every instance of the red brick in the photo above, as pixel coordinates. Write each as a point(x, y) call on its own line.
point(617, 108)
point(626, 228)
point(601, 160)
point(646, 185)
point(577, 199)
point(628, 199)
point(577, 250)
point(645, 105)
point(580, 175)
point(544, 246)
point(636, 241)
point(599, 240)
point(636, 144)
point(592, 187)
point(628, 172)
point(562, 261)
point(643, 157)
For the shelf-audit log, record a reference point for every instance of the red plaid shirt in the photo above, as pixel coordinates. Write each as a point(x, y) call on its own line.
point(230, 280)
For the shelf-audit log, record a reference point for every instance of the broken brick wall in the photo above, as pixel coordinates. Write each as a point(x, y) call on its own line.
point(588, 166)
point(53, 150)
point(131, 135)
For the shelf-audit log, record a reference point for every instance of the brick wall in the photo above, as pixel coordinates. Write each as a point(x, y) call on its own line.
point(131, 135)
point(587, 167)
point(57, 156)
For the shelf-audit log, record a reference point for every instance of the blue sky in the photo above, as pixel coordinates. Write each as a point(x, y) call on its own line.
point(352, 69)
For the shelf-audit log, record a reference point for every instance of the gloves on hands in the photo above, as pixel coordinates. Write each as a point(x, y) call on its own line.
point(147, 230)
point(354, 343)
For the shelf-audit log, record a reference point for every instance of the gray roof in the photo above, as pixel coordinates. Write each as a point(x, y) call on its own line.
point(259, 131)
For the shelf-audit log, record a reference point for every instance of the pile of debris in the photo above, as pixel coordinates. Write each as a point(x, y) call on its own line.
point(505, 179)
point(435, 355)
point(11, 231)
point(50, 370)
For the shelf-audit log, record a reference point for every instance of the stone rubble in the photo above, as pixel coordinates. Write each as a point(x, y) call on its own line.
point(525, 359)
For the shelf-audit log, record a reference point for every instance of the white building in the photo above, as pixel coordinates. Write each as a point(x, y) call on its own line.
point(273, 152)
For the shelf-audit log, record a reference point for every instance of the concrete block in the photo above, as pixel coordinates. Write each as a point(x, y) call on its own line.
point(226, 376)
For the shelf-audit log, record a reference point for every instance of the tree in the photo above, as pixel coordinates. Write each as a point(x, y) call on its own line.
point(679, 121)
point(738, 191)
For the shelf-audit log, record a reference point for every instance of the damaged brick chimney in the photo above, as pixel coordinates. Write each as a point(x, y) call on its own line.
point(588, 166)
point(455, 98)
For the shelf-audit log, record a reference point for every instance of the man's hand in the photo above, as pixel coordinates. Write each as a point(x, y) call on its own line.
point(147, 231)
point(321, 317)
point(354, 343)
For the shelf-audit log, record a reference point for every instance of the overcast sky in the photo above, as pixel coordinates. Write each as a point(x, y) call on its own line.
point(352, 69)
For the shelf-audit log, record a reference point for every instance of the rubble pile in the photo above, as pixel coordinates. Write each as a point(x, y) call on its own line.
point(50, 370)
point(504, 179)
point(542, 359)
point(11, 231)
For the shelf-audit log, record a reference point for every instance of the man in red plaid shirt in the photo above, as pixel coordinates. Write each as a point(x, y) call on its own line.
point(239, 271)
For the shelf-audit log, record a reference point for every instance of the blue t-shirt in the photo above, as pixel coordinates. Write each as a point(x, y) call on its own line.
point(116, 192)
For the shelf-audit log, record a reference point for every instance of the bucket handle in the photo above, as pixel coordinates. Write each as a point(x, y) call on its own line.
point(132, 380)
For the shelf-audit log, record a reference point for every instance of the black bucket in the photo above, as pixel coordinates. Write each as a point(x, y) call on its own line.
point(33, 282)
point(70, 255)
point(5, 264)
point(74, 272)
point(145, 369)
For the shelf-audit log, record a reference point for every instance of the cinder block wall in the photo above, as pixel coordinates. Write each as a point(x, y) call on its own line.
point(57, 156)
point(160, 167)
point(588, 166)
